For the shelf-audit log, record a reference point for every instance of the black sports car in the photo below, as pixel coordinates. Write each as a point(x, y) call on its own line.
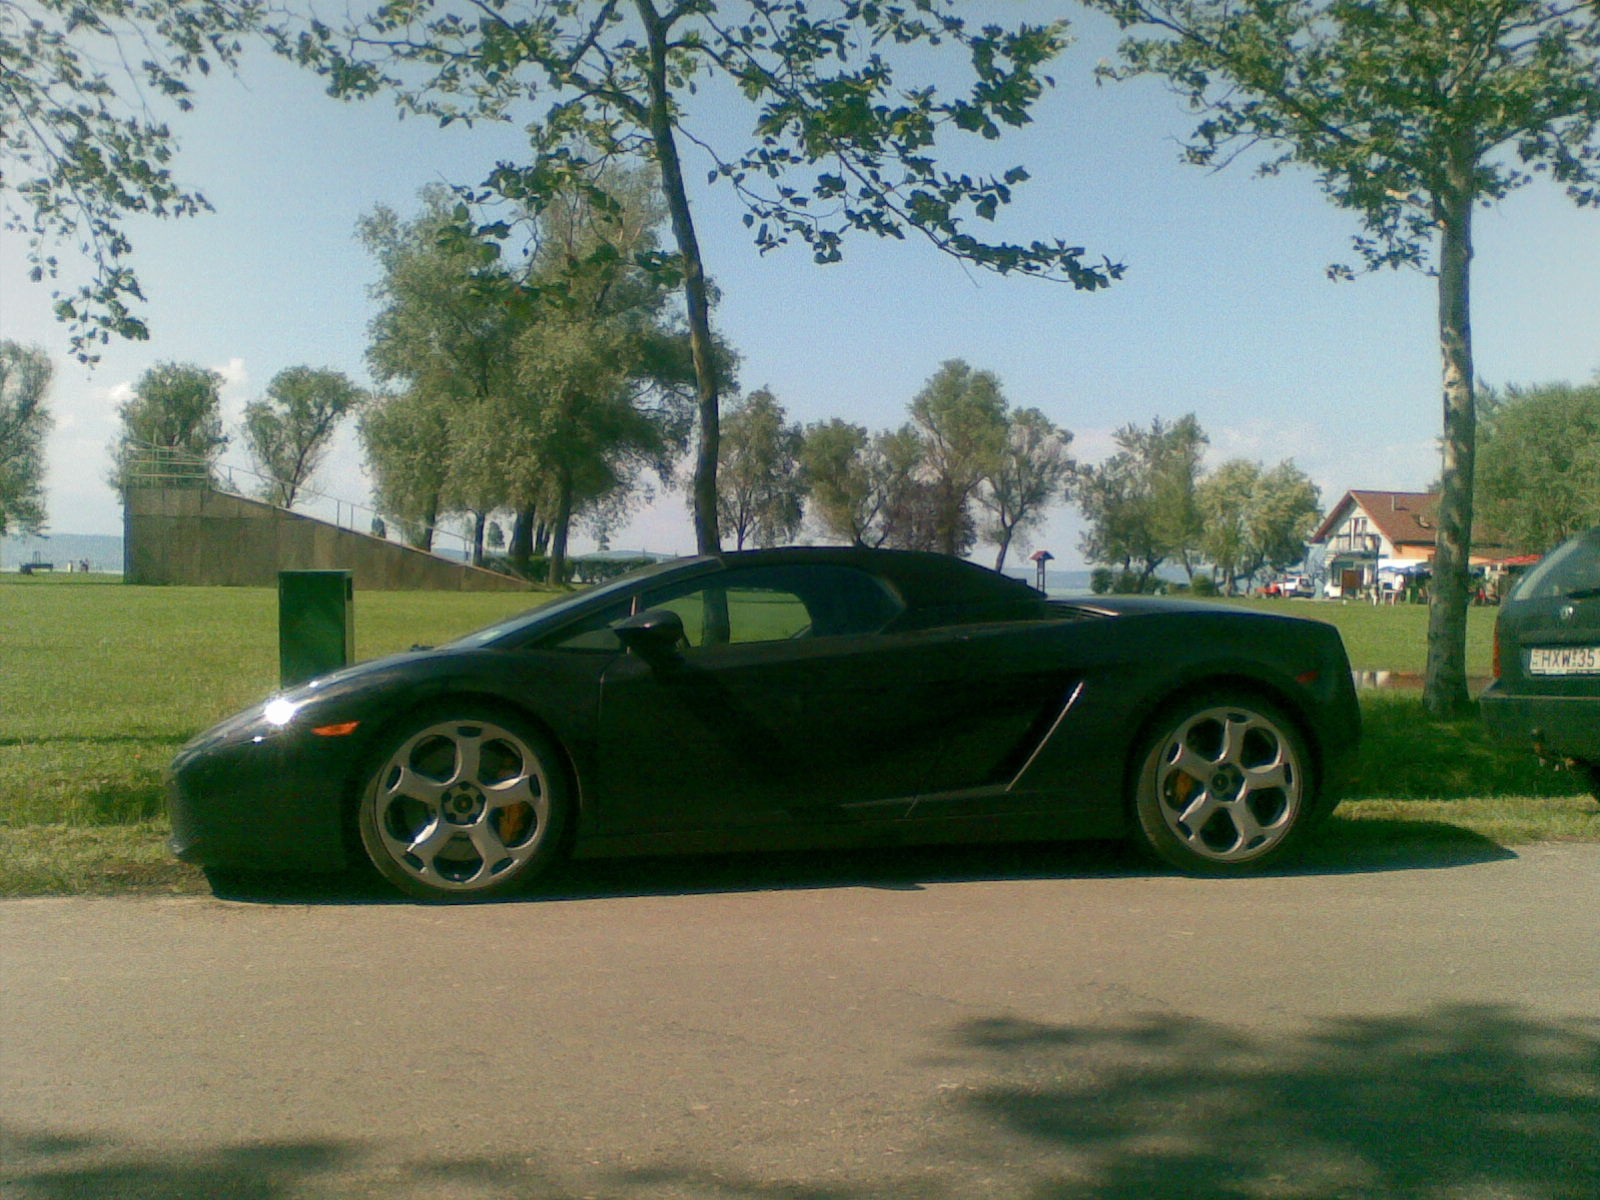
point(786, 698)
point(1546, 691)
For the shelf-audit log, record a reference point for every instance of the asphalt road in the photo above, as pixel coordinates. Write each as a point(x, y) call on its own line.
point(1017, 1022)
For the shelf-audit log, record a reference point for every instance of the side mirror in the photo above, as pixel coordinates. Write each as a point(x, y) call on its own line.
point(653, 635)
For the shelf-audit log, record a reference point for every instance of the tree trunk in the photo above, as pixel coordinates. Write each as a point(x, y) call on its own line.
point(696, 298)
point(522, 539)
point(1445, 684)
point(480, 521)
point(558, 530)
point(430, 518)
point(1005, 545)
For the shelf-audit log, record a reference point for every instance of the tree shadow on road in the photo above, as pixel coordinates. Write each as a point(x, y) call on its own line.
point(1454, 1101)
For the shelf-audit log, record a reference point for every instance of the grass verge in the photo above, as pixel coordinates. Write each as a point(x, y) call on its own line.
point(100, 683)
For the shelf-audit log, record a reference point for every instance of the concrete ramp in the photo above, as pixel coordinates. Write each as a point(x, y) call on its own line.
point(197, 536)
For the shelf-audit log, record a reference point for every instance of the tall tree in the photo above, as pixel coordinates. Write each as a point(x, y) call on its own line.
point(602, 372)
point(25, 420)
point(838, 480)
point(758, 481)
point(1140, 503)
point(1539, 464)
point(591, 430)
point(1174, 452)
point(838, 142)
point(1255, 518)
point(288, 431)
point(961, 416)
point(869, 489)
point(446, 333)
point(82, 145)
point(406, 436)
point(171, 428)
point(1412, 113)
point(914, 512)
point(1029, 474)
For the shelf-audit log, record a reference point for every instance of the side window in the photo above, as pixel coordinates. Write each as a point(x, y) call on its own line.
point(768, 604)
point(699, 611)
point(754, 604)
point(594, 631)
point(718, 615)
point(766, 615)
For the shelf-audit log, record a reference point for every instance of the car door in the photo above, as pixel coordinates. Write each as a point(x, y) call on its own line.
point(989, 694)
point(790, 706)
point(786, 705)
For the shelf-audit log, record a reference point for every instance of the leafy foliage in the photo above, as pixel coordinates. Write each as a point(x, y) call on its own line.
point(1539, 464)
point(839, 481)
point(1412, 113)
point(171, 428)
point(1254, 518)
point(960, 415)
point(406, 436)
point(759, 487)
point(1031, 471)
point(838, 141)
point(287, 432)
point(25, 420)
point(82, 145)
point(550, 381)
point(1140, 504)
point(1378, 97)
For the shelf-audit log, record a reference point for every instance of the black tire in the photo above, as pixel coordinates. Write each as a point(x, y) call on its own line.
point(1223, 785)
point(463, 803)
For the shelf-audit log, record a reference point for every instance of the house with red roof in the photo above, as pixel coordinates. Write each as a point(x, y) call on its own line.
point(1373, 537)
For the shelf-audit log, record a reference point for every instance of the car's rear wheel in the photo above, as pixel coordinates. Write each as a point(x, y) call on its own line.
point(463, 805)
point(1224, 785)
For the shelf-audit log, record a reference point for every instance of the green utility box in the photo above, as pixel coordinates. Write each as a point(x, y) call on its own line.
point(316, 624)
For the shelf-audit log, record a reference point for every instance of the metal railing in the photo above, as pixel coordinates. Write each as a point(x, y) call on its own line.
point(148, 465)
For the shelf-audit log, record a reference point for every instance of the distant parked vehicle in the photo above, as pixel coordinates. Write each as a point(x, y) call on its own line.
point(1290, 585)
point(1546, 692)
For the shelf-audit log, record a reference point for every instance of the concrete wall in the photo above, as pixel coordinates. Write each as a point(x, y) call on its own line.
point(197, 536)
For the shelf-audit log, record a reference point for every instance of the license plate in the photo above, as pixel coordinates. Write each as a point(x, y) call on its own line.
point(1564, 660)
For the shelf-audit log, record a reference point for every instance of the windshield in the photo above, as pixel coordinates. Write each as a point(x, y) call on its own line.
point(556, 612)
point(1569, 569)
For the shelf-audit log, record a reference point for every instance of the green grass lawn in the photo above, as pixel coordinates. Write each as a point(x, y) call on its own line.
point(101, 682)
point(1387, 637)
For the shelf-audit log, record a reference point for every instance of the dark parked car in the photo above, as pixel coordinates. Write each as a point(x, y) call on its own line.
point(786, 698)
point(1546, 691)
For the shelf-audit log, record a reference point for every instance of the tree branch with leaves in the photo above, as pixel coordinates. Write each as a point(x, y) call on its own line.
point(839, 141)
point(1411, 114)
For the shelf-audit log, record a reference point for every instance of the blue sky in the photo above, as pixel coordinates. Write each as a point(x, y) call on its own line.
point(1225, 309)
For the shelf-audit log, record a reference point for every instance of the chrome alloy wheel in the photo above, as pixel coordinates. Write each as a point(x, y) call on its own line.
point(460, 807)
point(1229, 784)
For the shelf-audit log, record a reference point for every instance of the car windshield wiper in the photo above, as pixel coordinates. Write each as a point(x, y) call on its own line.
point(1588, 593)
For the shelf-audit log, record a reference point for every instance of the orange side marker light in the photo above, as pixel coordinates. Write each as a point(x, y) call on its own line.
point(344, 729)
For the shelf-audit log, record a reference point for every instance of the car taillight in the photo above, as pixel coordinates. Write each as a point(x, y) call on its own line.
point(1497, 650)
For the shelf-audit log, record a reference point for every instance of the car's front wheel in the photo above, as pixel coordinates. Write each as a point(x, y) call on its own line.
point(1223, 786)
point(463, 805)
